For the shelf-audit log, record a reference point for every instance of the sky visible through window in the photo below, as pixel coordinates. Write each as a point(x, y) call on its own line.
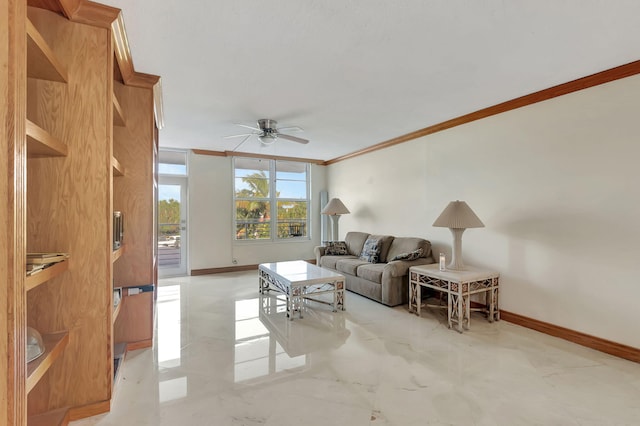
point(168, 192)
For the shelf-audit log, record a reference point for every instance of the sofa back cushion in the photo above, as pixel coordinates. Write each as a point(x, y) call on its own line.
point(355, 242)
point(401, 245)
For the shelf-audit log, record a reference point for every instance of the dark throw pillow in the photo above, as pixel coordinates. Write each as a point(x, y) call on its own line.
point(371, 250)
point(336, 248)
point(412, 255)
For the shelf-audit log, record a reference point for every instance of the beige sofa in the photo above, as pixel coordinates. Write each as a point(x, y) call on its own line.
point(385, 281)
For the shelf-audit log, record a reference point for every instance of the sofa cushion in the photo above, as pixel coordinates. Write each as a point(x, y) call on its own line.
point(355, 241)
point(412, 255)
point(336, 248)
point(401, 245)
point(385, 244)
point(371, 272)
point(371, 250)
point(330, 261)
point(349, 266)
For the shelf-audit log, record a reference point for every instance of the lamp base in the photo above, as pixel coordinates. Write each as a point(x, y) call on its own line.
point(334, 226)
point(456, 255)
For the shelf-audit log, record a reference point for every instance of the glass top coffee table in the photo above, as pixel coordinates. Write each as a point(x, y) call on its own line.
point(300, 280)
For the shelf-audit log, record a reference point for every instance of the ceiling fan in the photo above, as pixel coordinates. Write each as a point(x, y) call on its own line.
point(267, 133)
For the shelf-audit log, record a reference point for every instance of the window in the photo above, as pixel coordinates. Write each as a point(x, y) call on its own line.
point(172, 163)
point(267, 189)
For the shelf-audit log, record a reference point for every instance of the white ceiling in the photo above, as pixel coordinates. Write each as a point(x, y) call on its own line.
point(354, 73)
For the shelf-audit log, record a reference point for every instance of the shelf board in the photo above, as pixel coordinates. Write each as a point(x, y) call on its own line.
point(118, 115)
point(116, 310)
point(42, 63)
point(54, 345)
point(50, 418)
point(45, 275)
point(41, 143)
point(118, 168)
point(115, 255)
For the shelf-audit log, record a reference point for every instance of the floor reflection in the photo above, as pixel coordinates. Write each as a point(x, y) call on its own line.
point(257, 351)
point(169, 326)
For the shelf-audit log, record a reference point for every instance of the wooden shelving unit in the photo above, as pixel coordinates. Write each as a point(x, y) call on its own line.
point(42, 63)
point(116, 311)
point(54, 344)
point(45, 275)
point(118, 169)
point(52, 418)
point(62, 115)
point(117, 253)
point(41, 143)
point(118, 115)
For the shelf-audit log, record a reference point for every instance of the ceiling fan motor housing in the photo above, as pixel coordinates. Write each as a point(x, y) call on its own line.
point(267, 125)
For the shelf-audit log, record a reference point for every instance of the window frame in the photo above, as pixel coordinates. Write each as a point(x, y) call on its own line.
point(273, 201)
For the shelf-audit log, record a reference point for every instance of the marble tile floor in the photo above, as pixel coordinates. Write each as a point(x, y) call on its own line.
point(225, 356)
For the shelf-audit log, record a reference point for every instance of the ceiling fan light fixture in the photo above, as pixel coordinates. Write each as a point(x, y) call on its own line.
point(267, 138)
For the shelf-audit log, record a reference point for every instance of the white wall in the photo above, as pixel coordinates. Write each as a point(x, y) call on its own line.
point(211, 237)
point(556, 184)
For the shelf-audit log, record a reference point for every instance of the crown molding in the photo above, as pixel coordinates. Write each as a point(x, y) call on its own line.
point(252, 155)
point(592, 80)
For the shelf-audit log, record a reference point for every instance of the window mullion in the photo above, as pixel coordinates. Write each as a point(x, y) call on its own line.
point(274, 200)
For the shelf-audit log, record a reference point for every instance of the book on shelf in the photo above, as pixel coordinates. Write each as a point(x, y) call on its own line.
point(45, 258)
point(34, 268)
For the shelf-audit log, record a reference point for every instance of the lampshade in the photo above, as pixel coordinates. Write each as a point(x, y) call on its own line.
point(458, 215)
point(335, 207)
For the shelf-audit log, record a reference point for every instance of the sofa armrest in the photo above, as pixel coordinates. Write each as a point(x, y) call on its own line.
point(319, 252)
point(400, 268)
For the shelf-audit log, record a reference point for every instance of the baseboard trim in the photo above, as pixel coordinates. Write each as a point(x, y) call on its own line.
point(612, 348)
point(77, 413)
point(141, 344)
point(209, 271)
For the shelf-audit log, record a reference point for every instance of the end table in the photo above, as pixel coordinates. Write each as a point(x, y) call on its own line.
point(459, 286)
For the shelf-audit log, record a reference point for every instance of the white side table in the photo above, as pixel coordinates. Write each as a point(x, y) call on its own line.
point(459, 286)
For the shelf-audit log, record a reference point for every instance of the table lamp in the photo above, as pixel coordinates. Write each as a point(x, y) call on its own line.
point(457, 216)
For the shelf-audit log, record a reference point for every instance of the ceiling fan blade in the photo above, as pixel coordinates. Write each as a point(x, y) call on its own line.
point(243, 141)
point(248, 127)
point(292, 138)
point(237, 136)
point(291, 129)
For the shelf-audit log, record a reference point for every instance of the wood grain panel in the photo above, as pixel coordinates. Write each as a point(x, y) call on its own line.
point(132, 195)
point(41, 61)
point(34, 281)
point(54, 344)
point(13, 408)
point(597, 343)
point(118, 115)
point(77, 413)
point(118, 169)
point(65, 7)
point(51, 418)
point(69, 211)
point(52, 5)
point(135, 321)
point(40, 143)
